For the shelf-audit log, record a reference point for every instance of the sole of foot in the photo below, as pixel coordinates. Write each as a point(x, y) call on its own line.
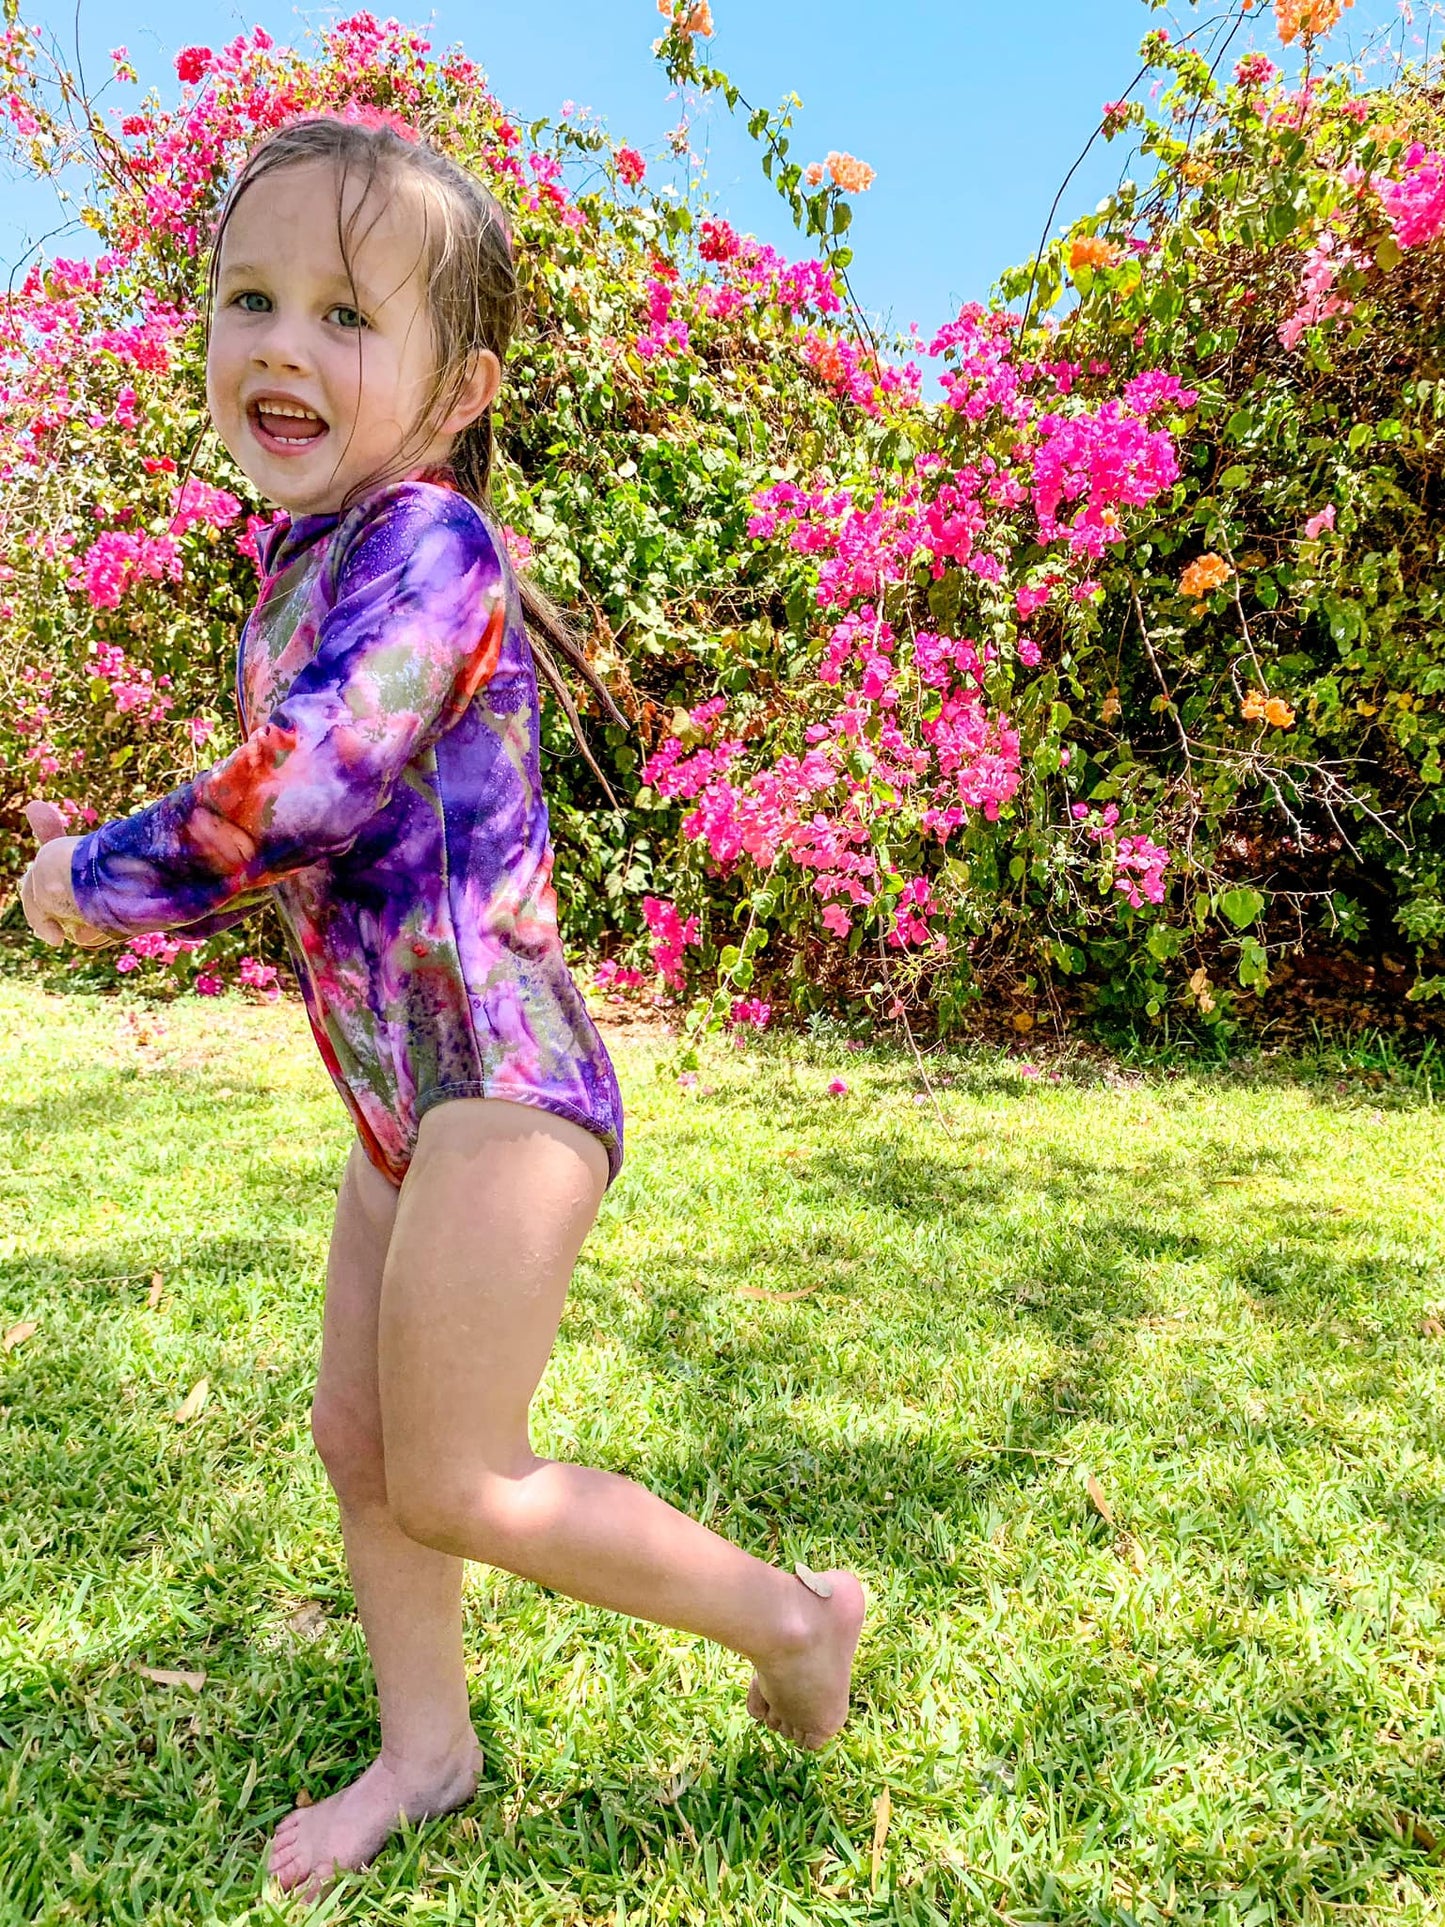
point(803, 1696)
point(344, 1833)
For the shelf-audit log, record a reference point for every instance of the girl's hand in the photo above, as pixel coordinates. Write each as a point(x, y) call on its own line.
point(46, 895)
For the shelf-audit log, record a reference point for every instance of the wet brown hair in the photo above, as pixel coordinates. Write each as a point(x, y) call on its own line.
point(469, 274)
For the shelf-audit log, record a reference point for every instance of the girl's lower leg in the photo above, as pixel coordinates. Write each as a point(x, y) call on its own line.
point(601, 1538)
point(409, 1602)
point(489, 1225)
point(408, 1596)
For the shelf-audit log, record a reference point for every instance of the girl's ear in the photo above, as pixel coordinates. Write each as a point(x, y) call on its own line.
point(478, 392)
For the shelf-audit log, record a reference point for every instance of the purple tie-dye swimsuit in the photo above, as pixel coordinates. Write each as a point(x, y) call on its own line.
point(387, 795)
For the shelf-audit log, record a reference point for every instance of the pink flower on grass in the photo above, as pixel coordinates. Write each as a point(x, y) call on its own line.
point(837, 1088)
point(261, 977)
point(751, 1012)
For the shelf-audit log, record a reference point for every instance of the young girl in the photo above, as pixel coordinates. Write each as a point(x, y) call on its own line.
point(386, 798)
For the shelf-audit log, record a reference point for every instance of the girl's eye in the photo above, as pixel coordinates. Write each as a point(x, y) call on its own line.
point(253, 302)
point(346, 318)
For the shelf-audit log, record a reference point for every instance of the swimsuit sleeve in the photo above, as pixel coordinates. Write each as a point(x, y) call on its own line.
point(415, 630)
point(235, 912)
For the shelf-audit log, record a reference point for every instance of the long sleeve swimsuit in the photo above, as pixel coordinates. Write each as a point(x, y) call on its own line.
point(387, 796)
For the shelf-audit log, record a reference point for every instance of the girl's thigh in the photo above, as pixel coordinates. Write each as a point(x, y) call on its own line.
point(347, 1411)
point(492, 1215)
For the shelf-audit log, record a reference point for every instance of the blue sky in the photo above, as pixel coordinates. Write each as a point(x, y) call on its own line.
point(971, 112)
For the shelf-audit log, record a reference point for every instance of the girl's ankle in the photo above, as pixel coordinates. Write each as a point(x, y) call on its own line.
point(430, 1760)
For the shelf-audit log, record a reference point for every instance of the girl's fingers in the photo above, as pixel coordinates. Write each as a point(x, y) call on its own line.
point(88, 937)
point(45, 820)
point(47, 927)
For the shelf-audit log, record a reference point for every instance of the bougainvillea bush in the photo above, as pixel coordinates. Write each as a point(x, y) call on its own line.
point(1118, 666)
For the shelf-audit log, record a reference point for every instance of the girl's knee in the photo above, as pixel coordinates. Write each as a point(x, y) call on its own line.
point(348, 1443)
point(488, 1517)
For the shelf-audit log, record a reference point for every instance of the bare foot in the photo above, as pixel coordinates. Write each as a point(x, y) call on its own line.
point(314, 1844)
point(803, 1693)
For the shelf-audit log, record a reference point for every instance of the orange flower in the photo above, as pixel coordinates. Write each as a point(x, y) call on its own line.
point(1204, 575)
point(813, 173)
point(853, 176)
point(1259, 708)
point(1296, 19)
point(688, 19)
point(1091, 252)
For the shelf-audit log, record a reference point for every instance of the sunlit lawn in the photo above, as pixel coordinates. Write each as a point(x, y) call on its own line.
point(1204, 1687)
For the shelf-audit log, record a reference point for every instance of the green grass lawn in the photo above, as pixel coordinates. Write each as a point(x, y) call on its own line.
point(1120, 1392)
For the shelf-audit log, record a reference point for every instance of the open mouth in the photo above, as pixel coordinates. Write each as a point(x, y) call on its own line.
point(285, 427)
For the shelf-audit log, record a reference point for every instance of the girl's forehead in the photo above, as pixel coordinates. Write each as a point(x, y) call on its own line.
point(317, 215)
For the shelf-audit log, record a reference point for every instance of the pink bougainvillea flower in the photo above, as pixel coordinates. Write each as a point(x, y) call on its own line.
point(837, 1088)
point(630, 165)
point(1415, 204)
point(1255, 70)
point(1317, 524)
point(193, 63)
point(751, 1013)
point(207, 985)
point(668, 937)
point(260, 977)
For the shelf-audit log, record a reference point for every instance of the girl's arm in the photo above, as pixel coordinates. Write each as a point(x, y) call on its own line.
point(415, 631)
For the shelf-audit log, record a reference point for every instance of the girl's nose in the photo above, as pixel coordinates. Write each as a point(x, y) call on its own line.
point(279, 347)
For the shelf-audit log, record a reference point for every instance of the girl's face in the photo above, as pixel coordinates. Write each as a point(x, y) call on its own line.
point(316, 379)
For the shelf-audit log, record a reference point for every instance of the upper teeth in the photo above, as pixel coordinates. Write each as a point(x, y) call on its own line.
point(290, 408)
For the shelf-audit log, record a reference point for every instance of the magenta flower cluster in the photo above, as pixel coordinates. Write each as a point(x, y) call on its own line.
point(668, 937)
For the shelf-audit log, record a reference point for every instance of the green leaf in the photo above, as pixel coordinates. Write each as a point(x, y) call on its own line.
point(1241, 905)
point(1281, 221)
point(1253, 965)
